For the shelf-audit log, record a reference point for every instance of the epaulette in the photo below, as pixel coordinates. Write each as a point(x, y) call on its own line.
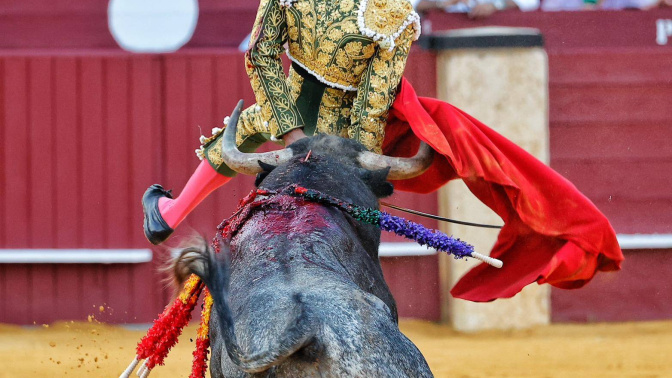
point(385, 20)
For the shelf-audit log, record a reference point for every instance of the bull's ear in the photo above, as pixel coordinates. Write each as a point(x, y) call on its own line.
point(377, 181)
point(267, 168)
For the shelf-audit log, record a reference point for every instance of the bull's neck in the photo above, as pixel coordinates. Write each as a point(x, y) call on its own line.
point(305, 234)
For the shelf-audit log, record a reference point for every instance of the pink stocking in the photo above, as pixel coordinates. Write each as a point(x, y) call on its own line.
point(204, 180)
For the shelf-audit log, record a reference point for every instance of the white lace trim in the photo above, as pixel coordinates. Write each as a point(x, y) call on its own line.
point(319, 77)
point(387, 41)
point(216, 131)
point(286, 3)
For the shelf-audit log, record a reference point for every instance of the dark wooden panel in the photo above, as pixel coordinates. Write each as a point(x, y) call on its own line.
point(4, 305)
point(602, 140)
point(68, 155)
point(635, 216)
point(414, 284)
point(93, 156)
point(51, 6)
point(120, 294)
point(180, 135)
point(146, 147)
point(18, 295)
point(3, 156)
point(159, 120)
point(225, 23)
point(569, 30)
point(610, 103)
point(53, 30)
point(633, 194)
point(610, 115)
point(200, 122)
point(32, 24)
point(145, 139)
point(16, 156)
point(42, 293)
point(68, 285)
point(118, 159)
point(621, 66)
point(94, 289)
point(42, 147)
point(619, 178)
point(641, 291)
point(178, 143)
point(146, 284)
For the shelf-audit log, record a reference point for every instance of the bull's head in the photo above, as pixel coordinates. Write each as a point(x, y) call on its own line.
point(253, 163)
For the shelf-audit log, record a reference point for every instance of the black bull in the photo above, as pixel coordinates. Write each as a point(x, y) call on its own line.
point(300, 290)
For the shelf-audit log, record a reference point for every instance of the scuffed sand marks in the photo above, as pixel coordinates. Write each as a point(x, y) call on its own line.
point(92, 349)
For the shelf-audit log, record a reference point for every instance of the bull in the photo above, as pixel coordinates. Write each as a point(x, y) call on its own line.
point(300, 290)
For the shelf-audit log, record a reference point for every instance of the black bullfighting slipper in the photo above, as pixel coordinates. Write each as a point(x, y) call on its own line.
point(156, 229)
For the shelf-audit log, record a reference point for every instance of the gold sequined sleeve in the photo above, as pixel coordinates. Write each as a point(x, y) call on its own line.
point(264, 67)
point(376, 92)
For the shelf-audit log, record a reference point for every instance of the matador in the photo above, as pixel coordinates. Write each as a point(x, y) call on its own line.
point(346, 79)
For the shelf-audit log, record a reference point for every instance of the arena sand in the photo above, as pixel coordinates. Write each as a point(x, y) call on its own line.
point(91, 349)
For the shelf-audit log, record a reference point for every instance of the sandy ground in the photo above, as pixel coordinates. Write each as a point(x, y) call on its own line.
point(587, 350)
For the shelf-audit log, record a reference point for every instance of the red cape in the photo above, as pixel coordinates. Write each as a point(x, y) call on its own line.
point(552, 233)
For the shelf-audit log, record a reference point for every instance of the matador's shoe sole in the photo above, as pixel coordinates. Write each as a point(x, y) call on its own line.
point(156, 229)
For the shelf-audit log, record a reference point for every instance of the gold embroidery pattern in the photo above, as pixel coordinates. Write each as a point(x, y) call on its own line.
point(334, 114)
point(214, 155)
point(385, 20)
point(386, 17)
point(294, 81)
point(376, 93)
point(264, 67)
point(251, 123)
point(324, 38)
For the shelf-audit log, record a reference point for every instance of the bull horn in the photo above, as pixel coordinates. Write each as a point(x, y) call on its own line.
point(400, 168)
point(245, 163)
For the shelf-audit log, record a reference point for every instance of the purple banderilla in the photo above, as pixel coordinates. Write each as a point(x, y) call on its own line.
point(400, 226)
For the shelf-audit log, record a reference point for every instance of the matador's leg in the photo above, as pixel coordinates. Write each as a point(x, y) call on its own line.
point(163, 213)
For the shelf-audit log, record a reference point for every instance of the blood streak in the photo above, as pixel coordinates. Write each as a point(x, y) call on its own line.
point(290, 216)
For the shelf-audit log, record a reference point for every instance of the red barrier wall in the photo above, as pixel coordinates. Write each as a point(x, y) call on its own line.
point(610, 132)
point(84, 134)
point(569, 30)
point(641, 291)
point(62, 24)
point(84, 131)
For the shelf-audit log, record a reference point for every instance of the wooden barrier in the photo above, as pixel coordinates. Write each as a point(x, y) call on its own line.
point(79, 121)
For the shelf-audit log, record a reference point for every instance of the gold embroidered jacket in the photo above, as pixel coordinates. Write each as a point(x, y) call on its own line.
point(347, 56)
point(356, 46)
